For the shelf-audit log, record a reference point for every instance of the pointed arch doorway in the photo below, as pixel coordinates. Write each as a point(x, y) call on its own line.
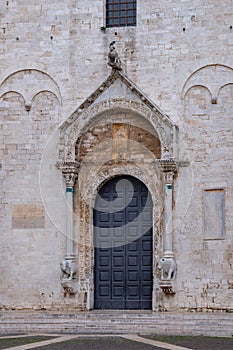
point(123, 240)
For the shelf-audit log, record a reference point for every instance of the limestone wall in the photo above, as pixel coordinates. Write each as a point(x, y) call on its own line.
point(53, 55)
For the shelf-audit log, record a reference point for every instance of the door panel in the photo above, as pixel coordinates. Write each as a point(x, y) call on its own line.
point(123, 259)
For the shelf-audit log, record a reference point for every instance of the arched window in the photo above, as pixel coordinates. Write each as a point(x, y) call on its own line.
point(121, 13)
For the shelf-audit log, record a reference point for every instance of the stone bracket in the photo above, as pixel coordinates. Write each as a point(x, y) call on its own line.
point(167, 288)
point(70, 288)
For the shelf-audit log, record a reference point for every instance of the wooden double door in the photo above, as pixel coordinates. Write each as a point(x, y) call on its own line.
point(123, 245)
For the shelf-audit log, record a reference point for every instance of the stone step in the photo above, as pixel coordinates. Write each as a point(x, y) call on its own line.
point(215, 324)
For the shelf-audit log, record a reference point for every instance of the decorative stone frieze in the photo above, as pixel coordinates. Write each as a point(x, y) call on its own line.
point(168, 165)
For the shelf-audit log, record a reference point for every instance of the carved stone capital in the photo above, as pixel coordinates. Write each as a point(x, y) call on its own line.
point(169, 177)
point(169, 168)
point(70, 172)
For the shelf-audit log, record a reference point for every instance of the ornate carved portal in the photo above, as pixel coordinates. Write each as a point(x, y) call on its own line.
point(110, 138)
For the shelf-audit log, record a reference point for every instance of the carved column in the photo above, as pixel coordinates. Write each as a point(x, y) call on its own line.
point(68, 265)
point(168, 222)
point(167, 263)
point(70, 173)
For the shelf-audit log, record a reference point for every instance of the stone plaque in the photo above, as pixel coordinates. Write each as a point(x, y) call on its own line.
point(27, 216)
point(214, 214)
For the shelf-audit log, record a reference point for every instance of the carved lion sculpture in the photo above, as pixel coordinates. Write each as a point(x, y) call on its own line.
point(167, 266)
point(68, 268)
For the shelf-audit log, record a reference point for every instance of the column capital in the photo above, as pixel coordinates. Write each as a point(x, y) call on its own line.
point(70, 171)
point(169, 177)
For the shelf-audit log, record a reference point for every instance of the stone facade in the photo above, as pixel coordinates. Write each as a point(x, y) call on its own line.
point(69, 122)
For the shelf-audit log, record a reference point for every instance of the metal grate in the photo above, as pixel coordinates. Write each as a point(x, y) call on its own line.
point(120, 13)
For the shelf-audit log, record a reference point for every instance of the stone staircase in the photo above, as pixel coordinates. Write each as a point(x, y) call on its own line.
point(116, 322)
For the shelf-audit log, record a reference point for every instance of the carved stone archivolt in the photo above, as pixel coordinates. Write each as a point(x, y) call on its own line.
point(165, 133)
point(79, 121)
point(89, 184)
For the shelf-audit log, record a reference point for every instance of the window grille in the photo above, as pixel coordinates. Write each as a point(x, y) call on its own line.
point(121, 13)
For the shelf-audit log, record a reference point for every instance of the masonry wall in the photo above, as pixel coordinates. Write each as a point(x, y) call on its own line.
point(53, 55)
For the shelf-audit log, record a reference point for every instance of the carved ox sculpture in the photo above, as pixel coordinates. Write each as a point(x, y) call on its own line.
point(167, 266)
point(68, 268)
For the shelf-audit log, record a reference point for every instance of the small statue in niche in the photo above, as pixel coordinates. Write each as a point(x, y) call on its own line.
point(167, 266)
point(113, 58)
point(68, 268)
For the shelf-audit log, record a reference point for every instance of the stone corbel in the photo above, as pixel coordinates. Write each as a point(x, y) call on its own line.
point(70, 288)
point(167, 288)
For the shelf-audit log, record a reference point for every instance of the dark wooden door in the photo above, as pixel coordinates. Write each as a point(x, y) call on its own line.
point(123, 245)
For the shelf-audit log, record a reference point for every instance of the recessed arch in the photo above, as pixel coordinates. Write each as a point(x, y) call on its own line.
point(210, 76)
point(103, 130)
point(196, 86)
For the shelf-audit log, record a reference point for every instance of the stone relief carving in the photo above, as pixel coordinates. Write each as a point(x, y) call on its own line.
point(41, 82)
